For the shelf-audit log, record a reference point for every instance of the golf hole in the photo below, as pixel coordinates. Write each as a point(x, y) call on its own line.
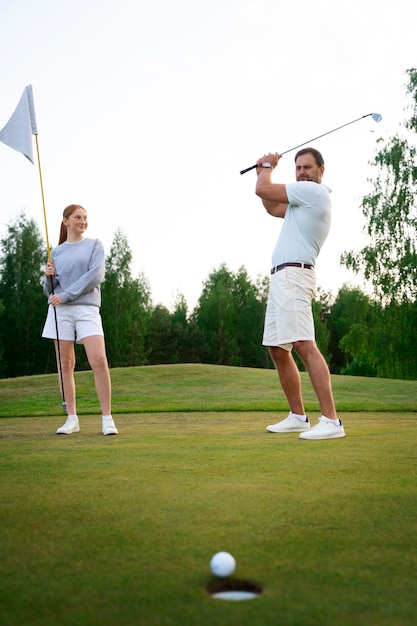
point(235, 590)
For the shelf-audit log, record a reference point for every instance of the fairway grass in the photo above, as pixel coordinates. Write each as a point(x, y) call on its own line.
point(120, 530)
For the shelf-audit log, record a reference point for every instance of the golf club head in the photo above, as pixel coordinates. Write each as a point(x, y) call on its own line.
point(377, 117)
point(64, 407)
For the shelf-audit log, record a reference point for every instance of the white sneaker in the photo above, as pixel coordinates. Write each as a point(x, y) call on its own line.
point(72, 425)
point(291, 424)
point(109, 427)
point(325, 429)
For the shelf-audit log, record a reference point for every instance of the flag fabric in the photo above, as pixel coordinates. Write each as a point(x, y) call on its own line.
point(21, 126)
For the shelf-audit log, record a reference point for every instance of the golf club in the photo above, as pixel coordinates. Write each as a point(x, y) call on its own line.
point(58, 352)
point(375, 116)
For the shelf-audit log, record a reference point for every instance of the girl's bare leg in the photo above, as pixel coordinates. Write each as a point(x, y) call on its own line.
point(96, 355)
point(66, 361)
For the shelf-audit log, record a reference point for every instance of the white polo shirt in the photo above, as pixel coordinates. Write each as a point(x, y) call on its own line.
point(306, 223)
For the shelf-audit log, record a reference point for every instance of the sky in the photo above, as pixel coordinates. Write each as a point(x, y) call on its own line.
point(147, 112)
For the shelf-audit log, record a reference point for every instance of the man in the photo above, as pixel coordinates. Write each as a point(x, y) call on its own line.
point(305, 208)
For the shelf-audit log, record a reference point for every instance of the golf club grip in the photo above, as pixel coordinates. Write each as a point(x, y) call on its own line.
point(248, 169)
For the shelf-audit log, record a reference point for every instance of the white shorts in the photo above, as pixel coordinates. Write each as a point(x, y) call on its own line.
point(289, 316)
point(75, 322)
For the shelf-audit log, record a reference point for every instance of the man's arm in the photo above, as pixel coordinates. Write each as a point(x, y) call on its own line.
point(274, 208)
point(274, 196)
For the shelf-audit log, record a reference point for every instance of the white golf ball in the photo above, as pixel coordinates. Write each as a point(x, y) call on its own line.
point(222, 564)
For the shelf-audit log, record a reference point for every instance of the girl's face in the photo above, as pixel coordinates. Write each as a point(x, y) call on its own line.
point(76, 223)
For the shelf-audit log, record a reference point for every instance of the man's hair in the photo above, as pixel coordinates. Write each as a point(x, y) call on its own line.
point(316, 154)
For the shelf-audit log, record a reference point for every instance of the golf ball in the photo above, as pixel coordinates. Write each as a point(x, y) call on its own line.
point(222, 564)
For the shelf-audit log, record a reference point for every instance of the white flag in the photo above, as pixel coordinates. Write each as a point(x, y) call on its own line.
point(21, 126)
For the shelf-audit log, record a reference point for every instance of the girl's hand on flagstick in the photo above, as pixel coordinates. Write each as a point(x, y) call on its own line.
point(55, 300)
point(50, 269)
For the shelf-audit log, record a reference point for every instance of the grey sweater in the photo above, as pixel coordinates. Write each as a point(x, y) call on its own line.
point(79, 269)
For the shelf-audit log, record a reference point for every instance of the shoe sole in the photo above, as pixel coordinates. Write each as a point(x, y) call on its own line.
point(287, 430)
point(60, 432)
point(315, 438)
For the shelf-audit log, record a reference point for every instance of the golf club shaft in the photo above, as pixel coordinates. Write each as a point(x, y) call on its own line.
point(313, 139)
point(58, 353)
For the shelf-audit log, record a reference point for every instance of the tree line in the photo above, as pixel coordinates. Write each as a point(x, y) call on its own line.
point(369, 334)
point(357, 334)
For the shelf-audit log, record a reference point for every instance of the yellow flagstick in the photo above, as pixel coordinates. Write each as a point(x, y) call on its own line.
point(43, 200)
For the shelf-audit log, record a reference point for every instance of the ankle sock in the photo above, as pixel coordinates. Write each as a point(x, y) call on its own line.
point(302, 418)
point(336, 421)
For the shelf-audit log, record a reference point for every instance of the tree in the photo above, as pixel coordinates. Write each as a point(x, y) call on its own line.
point(215, 317)
point(186, 334)
point(172, 337)
point(3, 364)
point(126, 307)
point(352, 333)
point(24, 305)
point(159, 337)
point(321, 309)
point(389, 261)
point(397, 346)
point(230, 315)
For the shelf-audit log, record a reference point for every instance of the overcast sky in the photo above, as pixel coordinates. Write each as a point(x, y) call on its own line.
point(147, 112)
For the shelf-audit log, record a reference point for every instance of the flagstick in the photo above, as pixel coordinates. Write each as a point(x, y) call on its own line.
point(43, 200)
point(64, 404)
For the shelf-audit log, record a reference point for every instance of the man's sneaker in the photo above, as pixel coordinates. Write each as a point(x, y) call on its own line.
point(72, 425)
point(290, 425)
point(109, 427)
point(325, 429)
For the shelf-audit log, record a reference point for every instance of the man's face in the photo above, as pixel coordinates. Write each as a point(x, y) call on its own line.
point(306, 168)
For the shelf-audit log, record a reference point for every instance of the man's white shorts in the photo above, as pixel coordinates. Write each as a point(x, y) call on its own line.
point(75, 322)
point(289, 316)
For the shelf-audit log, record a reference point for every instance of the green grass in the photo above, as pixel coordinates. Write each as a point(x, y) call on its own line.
point(120, 530)
point(173, 388)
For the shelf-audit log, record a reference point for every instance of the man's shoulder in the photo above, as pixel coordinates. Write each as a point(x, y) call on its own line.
point(307, 185)
point(303, 189)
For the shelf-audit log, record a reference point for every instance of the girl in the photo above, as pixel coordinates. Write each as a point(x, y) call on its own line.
point(72, 284)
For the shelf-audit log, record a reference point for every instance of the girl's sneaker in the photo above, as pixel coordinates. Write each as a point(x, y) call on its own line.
point(72, 425)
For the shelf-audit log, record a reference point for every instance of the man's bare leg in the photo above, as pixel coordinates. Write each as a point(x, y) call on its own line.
point(289, 377)
point(319, 373)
